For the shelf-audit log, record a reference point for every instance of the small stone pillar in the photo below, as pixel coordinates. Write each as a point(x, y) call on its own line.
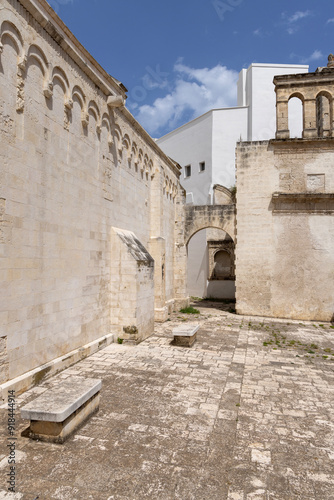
point(310, 119)
point(331, 114)
point(330, 64)
point(180, 253)
point(282, 119)
point(158, 251)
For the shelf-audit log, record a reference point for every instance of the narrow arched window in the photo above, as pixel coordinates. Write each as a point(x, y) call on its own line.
point(295, 117)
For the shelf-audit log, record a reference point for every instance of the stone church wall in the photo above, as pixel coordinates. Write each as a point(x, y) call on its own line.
point(74, 164)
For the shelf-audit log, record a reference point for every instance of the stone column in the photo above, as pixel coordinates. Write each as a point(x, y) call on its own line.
point(310, 119)
point(157, 246)
point(282, 119)
point(180, 254)
point(331, 115)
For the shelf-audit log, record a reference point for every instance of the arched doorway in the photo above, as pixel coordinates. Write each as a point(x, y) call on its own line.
point(211, 273)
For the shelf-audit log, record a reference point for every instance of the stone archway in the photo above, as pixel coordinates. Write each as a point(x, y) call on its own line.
point(205, 216)
point(201, 225)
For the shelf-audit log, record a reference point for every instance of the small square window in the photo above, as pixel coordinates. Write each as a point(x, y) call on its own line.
point(187, 171)
point(202, 166)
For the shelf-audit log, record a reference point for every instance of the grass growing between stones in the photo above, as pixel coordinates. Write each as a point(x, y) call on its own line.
point(189, 310)
point(280, 341)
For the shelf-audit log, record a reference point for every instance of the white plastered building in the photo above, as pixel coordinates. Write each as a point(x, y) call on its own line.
point(205, 149)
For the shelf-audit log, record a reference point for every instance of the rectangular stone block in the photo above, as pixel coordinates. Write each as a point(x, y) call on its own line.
point(185, 336)
point(58, 412)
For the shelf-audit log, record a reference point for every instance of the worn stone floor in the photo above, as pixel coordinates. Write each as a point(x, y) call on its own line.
point(246, 413)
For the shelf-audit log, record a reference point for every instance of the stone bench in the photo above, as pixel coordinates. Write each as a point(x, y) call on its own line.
point(185, 335)
point(59, 411)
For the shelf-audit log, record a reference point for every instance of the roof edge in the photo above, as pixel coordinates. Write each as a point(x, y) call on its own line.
point(139, 128)
point(49, 20)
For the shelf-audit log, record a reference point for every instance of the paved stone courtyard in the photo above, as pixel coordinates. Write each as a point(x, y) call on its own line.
point(246, 413)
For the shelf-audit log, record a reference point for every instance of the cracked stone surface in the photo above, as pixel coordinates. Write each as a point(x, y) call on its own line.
point(247, 413)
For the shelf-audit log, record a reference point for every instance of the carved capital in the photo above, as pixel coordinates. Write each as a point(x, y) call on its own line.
point(116, 101)
point(69, 104)
point(22, 64)
point(85, 119)
point(48, 90)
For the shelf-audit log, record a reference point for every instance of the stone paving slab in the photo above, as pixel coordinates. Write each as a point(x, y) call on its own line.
point(247, 413)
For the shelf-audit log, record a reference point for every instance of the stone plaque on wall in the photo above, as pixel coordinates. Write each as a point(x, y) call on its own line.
point(315, 183)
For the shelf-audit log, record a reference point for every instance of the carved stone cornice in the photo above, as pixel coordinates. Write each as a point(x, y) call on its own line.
point(308, 203)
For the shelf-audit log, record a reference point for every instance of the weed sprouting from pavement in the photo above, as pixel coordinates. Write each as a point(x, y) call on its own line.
point(277, 340)
point(189, 310)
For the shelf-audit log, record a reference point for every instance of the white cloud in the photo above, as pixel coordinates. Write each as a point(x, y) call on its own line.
point(299, 15)
point(291, 31)
point(292, 21)
point(149, 83)
point(316, 56)
point(194, 92)
point(331, 20)
point(260, 32)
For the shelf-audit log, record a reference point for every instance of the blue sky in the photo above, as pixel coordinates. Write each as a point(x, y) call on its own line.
point(180, 58)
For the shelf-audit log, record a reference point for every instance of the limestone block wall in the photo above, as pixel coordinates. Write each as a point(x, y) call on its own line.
point(285, 229)
point(74, 164)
